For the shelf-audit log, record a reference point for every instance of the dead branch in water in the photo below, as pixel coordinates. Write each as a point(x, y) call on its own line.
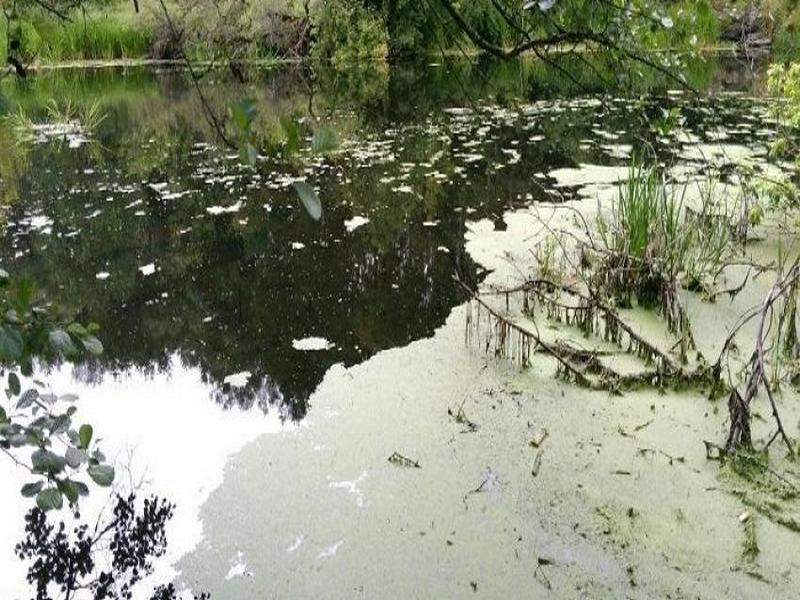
point(510, 339)
point(739, 405)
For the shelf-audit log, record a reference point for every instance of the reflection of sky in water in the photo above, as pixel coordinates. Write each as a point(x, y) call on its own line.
point(175, 445)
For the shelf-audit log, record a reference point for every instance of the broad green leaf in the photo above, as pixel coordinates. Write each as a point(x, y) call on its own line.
point(248, 154)
point(62, 343)
point(49, 499)
point(29, 397)
point(10, 344)
point(102, 475)
point(77, 329)
point(45, 461)
point(68, 488)
point(93, 345)
point(29, 490)
point(3, 415)
point(83, 489)
point(324, 140)
point(76, 457)
point(85, 436)
point(243, 112)
point(60, 424)
point(48, 398)
point(310, 199)
point(18, 440)
point(13, 383)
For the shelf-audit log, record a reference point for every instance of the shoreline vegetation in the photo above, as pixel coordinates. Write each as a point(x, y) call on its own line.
point(340, 32)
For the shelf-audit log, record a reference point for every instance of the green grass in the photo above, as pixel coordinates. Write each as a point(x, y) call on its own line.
point(93, 37)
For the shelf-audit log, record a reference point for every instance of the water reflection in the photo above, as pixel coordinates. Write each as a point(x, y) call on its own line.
point(182, 255)
point(164, 440)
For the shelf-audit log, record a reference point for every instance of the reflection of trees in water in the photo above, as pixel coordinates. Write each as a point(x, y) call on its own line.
point(103, 560)
point(384, 285)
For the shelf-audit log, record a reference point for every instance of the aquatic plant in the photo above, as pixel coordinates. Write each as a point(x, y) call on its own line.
point(650, 247)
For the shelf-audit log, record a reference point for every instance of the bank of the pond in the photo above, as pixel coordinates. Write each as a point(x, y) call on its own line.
point(527, 487)
point(344, 31)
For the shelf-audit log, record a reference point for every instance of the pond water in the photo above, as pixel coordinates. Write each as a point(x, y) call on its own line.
point(222, 303)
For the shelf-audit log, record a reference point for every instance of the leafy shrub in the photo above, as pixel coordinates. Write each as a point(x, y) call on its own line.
point(348, 31)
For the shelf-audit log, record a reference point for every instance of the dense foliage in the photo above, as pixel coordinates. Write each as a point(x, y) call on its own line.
point(342, 30)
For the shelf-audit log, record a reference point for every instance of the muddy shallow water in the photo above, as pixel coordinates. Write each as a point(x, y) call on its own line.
point(249, 374)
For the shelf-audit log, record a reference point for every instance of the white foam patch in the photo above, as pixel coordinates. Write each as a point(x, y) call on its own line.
point(220, 210)
point(238, 567)
point(311, 344)
point(237, 379)
point(330, 550)
point(351, 487)
point(355, 223)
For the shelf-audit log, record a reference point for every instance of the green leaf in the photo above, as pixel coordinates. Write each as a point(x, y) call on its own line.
point(29, 490)
point(243, 112)
point(60, 424)
point(102, 475)
point(248, 154)
point(93, 345)
point(62, 343)
point(49, 499)
point(77, 330)
point(69, 489)
point(310, 199)
point(324, 140)
point(292, 133)
point(13, 383)
point(10, 344)
point(18, 440)
point(45, 461)
point(83, 489)
point(28, 398)
point(85, 436)
point(48, 398)
point(3, 415)
point(76, 457)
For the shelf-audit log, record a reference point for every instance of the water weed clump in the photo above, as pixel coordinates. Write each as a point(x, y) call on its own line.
point(653, 241)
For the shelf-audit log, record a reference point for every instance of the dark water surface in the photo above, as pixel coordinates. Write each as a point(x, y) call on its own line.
point(177, 251)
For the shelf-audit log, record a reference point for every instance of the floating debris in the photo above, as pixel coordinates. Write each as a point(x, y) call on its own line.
point(237, 380)
point(220, 210)
point(354, 223)
point(312, 344)
point(403, 461)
